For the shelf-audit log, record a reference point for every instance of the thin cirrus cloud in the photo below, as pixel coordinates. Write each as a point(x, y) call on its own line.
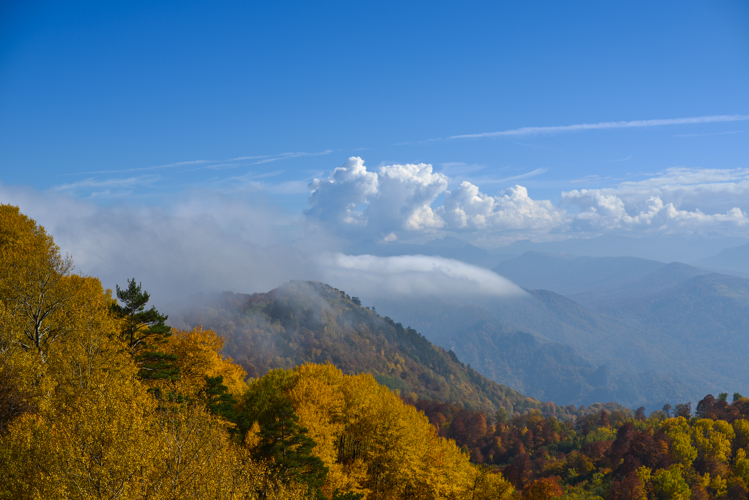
point(92, 183)
point(523, 131)
point(285, 156)
point(215, 164)
point(532, 173)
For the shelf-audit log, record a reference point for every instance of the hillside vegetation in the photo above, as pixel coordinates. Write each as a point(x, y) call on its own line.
point(635, 331)
point(303, 322)
point(672, 454)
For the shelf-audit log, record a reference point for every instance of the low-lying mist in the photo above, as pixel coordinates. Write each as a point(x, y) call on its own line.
point(206, 242)
point(413, 276)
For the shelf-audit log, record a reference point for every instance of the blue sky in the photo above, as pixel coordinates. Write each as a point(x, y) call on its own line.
point(144, 105)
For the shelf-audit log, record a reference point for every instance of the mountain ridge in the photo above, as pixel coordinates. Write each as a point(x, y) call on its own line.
point(309, 321)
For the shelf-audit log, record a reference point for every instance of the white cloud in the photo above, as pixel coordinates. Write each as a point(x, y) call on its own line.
point(679, 200)
point(399, 198)
point(372, 276)
point(467, 208)
point(129, 182)
point(604, 125)
point(285, 156)
point(204, 242)
point(398, 201)
point(339, 198)
point(218, 164)
point(405, 195)
point(200, 242)
point(396, 197)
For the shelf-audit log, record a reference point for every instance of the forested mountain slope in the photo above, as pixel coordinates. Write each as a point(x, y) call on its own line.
point(664, 336)
point(311, 322)
point(556, 372)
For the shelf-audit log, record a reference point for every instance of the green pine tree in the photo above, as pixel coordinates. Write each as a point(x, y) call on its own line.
point(142, 331)
point(286, 445)
point(219, 400)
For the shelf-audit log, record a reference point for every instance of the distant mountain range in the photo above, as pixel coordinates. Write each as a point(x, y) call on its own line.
point(730, 259)
point(565, 274)
point(703, 252)
point(652, 332)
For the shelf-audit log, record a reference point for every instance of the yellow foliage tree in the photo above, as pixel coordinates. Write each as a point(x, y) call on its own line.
point(374, 444)
point(199, 355)
point(712, 438)
point(33, 289)
point(79, 423)
point(681, 440)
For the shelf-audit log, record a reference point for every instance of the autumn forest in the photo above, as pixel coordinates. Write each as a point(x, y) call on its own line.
point(302, 393)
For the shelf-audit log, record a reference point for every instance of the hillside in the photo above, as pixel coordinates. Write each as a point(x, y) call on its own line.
point(311, 322)
point(556, 372)
point(549, 347)
point(670, 335)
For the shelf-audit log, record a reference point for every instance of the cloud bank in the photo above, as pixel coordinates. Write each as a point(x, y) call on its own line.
point(202, 242)
point(403, 201)
point(206, 242)
point(679, 200)
point(412, 275)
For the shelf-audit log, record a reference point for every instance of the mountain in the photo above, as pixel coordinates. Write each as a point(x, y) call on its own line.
point(663, 278)
point(547, 346)
point(553, 371)
point(670, 335)
point(705, 318)
point(311, 322)
point(664, 249)
point(730, 259)
point(564, 273)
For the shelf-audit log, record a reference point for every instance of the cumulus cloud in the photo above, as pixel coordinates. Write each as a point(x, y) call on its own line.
point(405, 197)
point(680, 200)
point(396, 197)
point(339, 199)
point(467, 208)
point(409, 275)
point(397, 202)
point(399, 198)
